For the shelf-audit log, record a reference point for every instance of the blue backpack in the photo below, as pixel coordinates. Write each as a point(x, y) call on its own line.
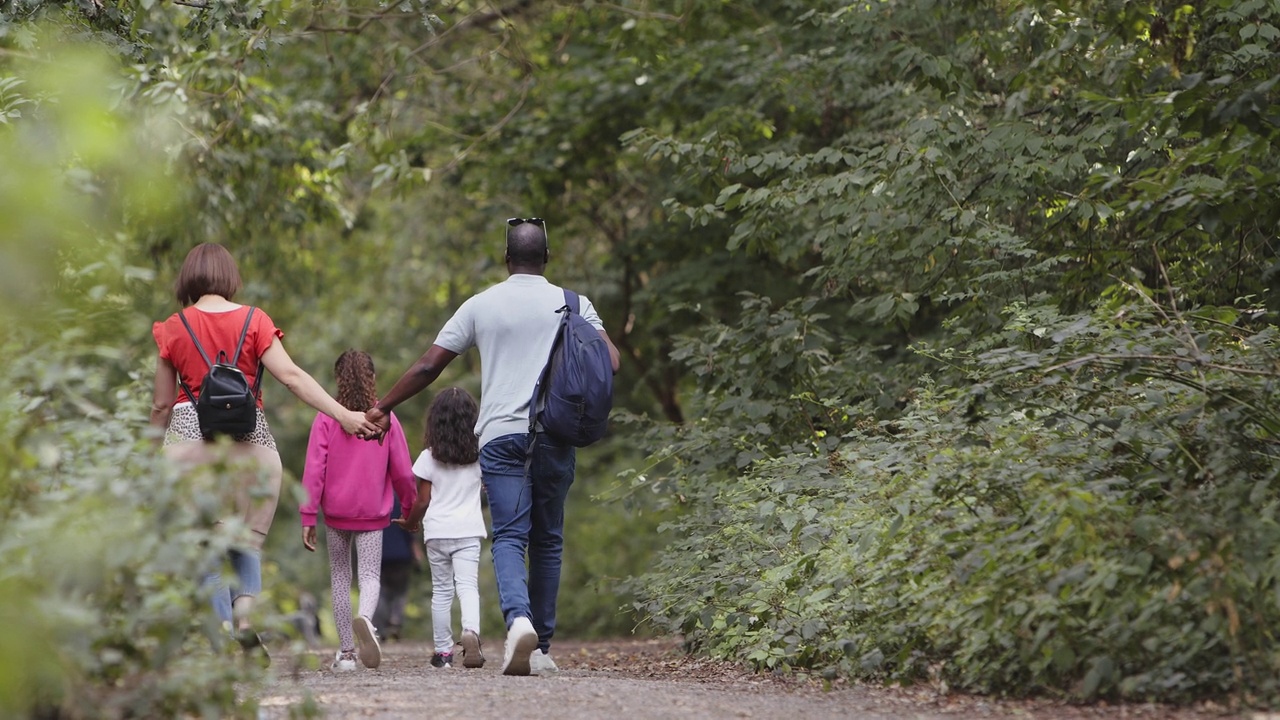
point(574, 393)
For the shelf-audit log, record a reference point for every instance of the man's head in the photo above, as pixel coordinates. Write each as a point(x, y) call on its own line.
point(527, 249)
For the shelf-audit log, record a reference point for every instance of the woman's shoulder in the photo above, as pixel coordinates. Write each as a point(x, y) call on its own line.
point(171, 320)
point(162, 330)
point(264, 325)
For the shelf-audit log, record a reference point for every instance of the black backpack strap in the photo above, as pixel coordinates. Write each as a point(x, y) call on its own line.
point(257, 376)
point(195, 339)
point(244, 332)
point(190, 395)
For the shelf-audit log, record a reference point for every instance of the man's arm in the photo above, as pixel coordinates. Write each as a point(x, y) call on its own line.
point(415, 380)
point(614, 356)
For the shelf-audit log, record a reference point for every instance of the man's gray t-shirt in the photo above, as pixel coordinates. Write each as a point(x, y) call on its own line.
point(513, 324)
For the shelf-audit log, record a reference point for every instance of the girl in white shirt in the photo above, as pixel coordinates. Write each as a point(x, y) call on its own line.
point(448, 473)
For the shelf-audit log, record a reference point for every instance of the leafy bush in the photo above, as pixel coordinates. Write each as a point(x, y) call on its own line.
point(103, 544)
point(1106, 533)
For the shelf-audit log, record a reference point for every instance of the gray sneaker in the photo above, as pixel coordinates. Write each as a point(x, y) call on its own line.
point(540, 663)
point(472, 657)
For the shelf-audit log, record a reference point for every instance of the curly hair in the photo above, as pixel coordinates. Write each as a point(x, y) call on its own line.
point(357, 389)
point(451, 423)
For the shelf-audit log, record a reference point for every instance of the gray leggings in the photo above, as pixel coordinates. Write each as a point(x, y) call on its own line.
point(369, 561)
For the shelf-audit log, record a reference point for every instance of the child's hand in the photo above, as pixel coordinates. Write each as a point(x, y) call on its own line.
point(404, 525)
point(309, 537)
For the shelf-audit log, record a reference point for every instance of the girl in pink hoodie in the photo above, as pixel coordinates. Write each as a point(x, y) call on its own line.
point(350, 481)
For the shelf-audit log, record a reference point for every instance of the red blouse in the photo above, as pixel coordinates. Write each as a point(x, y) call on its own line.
point(217, 331)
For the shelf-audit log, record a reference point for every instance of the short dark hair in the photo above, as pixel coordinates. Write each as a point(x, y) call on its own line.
point(208, 270)
point(527, 244)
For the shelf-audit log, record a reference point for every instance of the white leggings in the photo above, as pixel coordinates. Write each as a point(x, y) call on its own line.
point(453, 561)
point(369, 562)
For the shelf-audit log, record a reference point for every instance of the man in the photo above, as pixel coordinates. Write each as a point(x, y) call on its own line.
point(513, 324)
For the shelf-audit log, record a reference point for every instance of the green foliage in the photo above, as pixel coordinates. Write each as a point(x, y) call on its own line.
point(1068, 488)
point(103, 543)
point(1025, 532)
point(956, 314)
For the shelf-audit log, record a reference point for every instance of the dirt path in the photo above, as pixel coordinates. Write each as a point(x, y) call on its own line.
point(636, 679)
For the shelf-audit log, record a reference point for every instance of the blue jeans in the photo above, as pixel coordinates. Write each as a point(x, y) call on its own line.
point(247, 565)
point(528, 516)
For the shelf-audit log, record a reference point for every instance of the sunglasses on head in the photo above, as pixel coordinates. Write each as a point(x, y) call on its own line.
point(517, 221)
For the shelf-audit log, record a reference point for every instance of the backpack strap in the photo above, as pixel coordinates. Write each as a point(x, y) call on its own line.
point(573, 306)
point(244, 332)
point(257, 376)
point(195, 339)
point(190, 395)
point(571, 300)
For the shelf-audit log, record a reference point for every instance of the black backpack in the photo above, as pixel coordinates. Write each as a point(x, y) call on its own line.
point(227, 404)
point(574, 393)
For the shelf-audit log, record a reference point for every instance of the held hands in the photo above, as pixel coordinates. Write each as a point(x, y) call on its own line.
point(404, 525)
point(309, 537)
point(354, 423)
point(379, 420)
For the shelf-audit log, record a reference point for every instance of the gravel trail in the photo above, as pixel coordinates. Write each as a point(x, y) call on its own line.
point(643, 679)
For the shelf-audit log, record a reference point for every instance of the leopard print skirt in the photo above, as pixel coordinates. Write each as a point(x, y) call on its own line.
point(184, 426)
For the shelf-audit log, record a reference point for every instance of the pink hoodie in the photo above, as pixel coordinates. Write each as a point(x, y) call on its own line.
point(350, 480)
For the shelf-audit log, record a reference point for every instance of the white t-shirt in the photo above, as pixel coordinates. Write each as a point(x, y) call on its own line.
point(513, 324)
point(454, 511)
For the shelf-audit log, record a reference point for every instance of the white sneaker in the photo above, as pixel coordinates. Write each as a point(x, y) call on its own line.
point(367, 642)
point(521, 642)
point(540, 663)
point(344, 662)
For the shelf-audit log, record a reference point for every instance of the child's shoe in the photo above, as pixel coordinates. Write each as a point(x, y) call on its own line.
point(472, 657)
point(442, 660)
point(522, 640)
point(344, 661)
point(367, 641)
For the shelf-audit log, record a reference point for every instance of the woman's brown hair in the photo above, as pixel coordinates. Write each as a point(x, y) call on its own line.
point(208, 270)
point(451, 428)
point(357, 388)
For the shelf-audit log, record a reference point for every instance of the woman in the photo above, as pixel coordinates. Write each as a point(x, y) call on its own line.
point(206, 284)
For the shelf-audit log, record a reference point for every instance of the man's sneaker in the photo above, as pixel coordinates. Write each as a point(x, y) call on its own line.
point(472, 657)
point(442, 660)
point(367, 642)
point(344, 661)
point(521, 642)
point(540, 663)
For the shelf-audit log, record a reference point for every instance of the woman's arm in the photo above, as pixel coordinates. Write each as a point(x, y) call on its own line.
point(163, 393)
point(305, 387)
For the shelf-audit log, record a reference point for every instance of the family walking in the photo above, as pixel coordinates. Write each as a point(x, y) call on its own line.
point(358, 459)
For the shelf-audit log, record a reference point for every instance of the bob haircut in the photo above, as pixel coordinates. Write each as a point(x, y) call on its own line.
point(208, 270)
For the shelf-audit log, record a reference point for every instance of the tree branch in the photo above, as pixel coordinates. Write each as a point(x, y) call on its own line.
point(1098, 358)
